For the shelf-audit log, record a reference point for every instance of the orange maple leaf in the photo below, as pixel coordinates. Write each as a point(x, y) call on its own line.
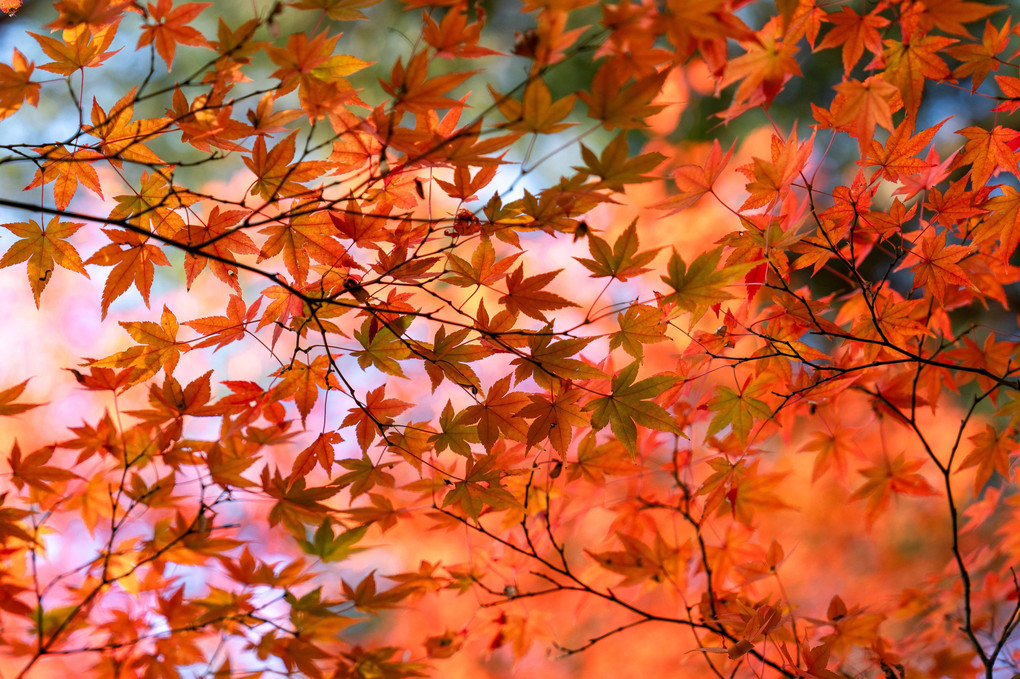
point(303, 381)
point(936, 268)
point(33, 470)
point(7, 397)
point(122, 139)
point(770, 179)
point(987, 152)
point(16, 86)
point(82, 47)
point(899, 153)
point(170, 28)
point(910, 63)
point(889, 477)
point(860, 106)
point(375, 412)
point(43, 248)
point(694, 181)
point(854, 32)
point(762, 70)
point(527, 295)
point(497, 414)
point(990, 454)
point(217, 237)
point(67, 169)
point(978, 60)
point(157, 348)
point(132, 258)
point(277, 176)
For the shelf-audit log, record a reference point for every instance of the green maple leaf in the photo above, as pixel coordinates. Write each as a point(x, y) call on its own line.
point(622, 261)
point(382, 349)
point(630, 405)
point(739, 408)
point(699, 286)
point(457, 434)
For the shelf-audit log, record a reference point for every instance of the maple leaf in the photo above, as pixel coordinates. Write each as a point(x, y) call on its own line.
point(629, 404)
point(614, 167)
point(638, 562)
point(277, 176)
point(16, 86)
point(908, 64)
point(528, 296)
point(294, 500)
point(763, 69)
point(381, 348)
point(373, 415)
point(321, 452)
point(363, 475)
point(1010, 87)
point(536, 112)
point(860, 106)
point(739, 409)
point(987, 152)
point(621, 262)
point(121, 139)
point(978, 60)
point(33, 471)
point(157, 348)
point(81, 48)
point(951, 15)
point(770, 180)
point(220, 331)
point(455, 37)
point(338, 10)
point(937, 265)
point(496, 416)
point(153, 205)
point(483, 269)
point(832, 446)
point(207, 122)
point(694, 181)
point(640, 324)
point(888, 477)
point(1002, 223)
point(854, 32)
point(481, 487)
point(306, 234)
point(310, 65)
point(93, 14)
point(554, 417)
point(67, 170)
point(303, 381)
point(7, 398)
point(551, 360)
point(132, 258)
point(333, 547)
point(219, 238)
point(991, 453)
point(616, 104)
point(596, 461)
point(448, 357)
point(170, 402)
point(740, 489)
point(897, 155)
point(456, 432)
point(413, 90)
point(170, 28)
point(43, 248)
point(700, 286)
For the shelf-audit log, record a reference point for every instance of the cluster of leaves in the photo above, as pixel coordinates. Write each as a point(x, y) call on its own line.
point(627, 459)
